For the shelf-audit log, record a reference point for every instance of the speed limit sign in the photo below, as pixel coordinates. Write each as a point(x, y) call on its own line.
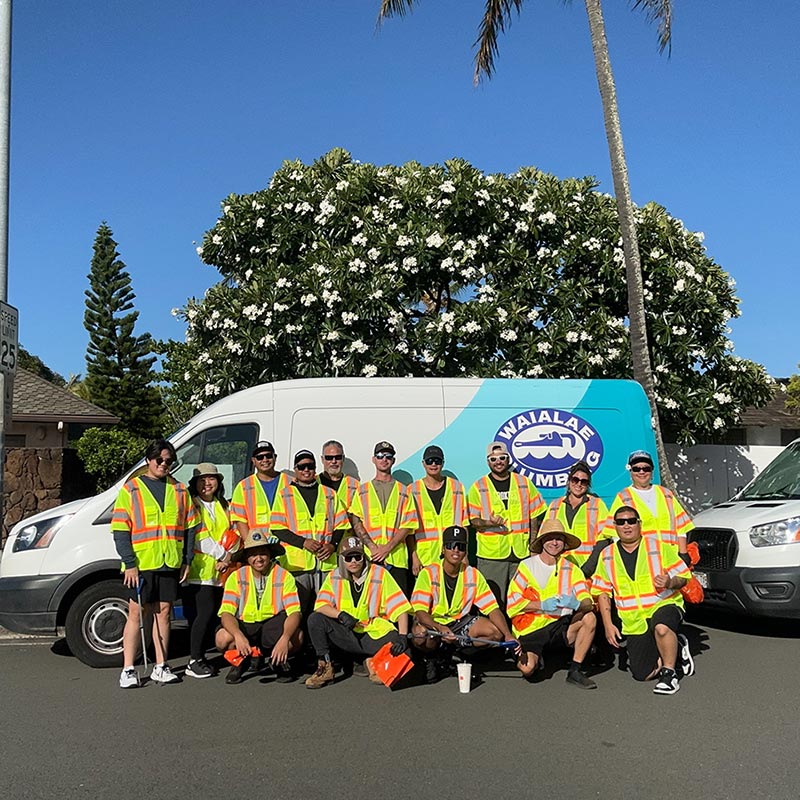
point(9, 338)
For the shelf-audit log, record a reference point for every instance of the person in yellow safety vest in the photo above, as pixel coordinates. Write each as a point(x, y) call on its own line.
point(582, 514)
point(154, 525)
point(505, 509)
point(202, 592)
point(333, 475)
point(359, 609)
point(384, 517)
point(659, 510)
point(645, 574)
point(309, 519)
point(440, 502)
point(251, 504)
point(260, 608)
point(549, 604)
point(445, 597)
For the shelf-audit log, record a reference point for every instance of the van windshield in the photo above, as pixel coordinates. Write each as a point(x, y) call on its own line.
point(779, 481)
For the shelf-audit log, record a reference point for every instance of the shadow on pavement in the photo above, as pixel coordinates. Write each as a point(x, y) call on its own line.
point(751, 626)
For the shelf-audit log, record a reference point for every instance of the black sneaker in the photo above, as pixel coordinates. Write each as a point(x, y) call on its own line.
point(284, 673)
point(199, 668)
point(579, 678)
point(666, 682)
point(685, 655)
point(431, 670)
point(256, 664)
point(235, 673)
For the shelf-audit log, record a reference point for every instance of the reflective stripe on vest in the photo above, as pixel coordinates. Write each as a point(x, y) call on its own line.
point(248, 609)
point(535, 620)
point(670, 535)
point(299, 520)
point(160, 542)
point(373, 594)
point(498, 545)
point(588, 514)
point(439, 606)
point(203, 567)
point(382, 524)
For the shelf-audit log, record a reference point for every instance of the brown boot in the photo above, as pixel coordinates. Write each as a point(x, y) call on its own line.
point(373, 676)
point(322, 677)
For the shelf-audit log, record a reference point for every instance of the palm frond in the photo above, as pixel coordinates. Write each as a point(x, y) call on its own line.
point(496, 18)
point(659, 11)
point(393, 8)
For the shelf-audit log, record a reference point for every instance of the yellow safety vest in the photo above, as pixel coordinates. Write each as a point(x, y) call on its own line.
point(203, 566)
point(637, 600)
point(566, 578)
point(382, 524)
point(346, 491)
point(588, 524)
point(431, 524)
point(241, 598)
point(471, 590)
point(670, 522)
point(250, 505)
point(380, 605)
point(524, 503)
point(156, 536)
point(291, 513)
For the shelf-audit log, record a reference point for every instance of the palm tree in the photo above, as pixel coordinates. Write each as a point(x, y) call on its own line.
point(496, 19)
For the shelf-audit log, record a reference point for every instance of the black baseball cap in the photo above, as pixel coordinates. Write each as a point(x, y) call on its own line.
point(263, 446)
point(302, 454)
point(454, 534)
point(433, 451)
point(384, 447)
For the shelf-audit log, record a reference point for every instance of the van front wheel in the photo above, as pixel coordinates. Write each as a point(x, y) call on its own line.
point(95, 622)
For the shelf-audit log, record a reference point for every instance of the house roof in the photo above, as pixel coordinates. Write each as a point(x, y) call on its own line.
point(773, 414)
point(36, 399)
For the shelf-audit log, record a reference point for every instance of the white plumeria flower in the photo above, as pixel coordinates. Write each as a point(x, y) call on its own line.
point(260, 222)
point(369, 371)
point(373, 253)
point(534, 371)
point(359, 239)
point(509, 335)
point(403, 241)
point(670, 404)
point(571, 336)
point(548, 218)
point(357, 346)
point(216, 239)
point(544, 347)
point(680, 285)
point(448, 187)
point(435, 240)
point(718, 423)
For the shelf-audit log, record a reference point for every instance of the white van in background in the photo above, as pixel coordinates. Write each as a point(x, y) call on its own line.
point(750, 545)
point(60, 569)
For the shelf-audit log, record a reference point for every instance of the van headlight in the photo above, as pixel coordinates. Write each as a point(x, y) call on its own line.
point(784, 531)
point(38, 534)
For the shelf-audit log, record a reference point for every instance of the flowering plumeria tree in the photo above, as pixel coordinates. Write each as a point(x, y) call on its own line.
point(342, 268)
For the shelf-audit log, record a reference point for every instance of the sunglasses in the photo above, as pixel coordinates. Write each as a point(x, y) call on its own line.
point(333, 458)
point(388, 456)
point(305, 466)
point(580, 481)
point(494, 459)
point(626, 521)
point(462, 548)
point(431, 461)
point(262, 456)
point(354, 557)
point(166, 461)
point(641, 469)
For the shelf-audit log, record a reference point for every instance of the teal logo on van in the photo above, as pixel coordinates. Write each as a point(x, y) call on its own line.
point(545, 442)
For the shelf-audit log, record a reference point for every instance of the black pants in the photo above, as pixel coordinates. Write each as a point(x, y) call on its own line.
point(200, 606)
point(326, 632)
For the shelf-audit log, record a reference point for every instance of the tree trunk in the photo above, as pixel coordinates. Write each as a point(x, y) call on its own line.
point(640, 354)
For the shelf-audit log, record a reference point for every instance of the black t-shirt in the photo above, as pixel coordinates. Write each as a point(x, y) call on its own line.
point(570, 512)
point(309, 494)
point(326, 480)
point(355, 591)
point(157, 488)
point(449, 586)
point(629, 560)
point(437, 497)
point(503, 487)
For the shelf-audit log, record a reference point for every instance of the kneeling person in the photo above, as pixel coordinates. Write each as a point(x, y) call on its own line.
point(260, 608)
point(549, 604)
point(356, 611)
point(443, 600)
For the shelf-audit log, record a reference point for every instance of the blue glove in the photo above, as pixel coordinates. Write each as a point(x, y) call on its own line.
point(569, 601)
point(549, 605)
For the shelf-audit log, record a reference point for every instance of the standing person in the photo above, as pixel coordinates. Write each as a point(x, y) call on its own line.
point(658, 509)
point(260, 608)
point(309, 519)
point(644, 575)
point(440, 503)
point(333, 476)
point(446, 596)
point(359, 609)
point(549, 604)
point(505, 509)
point(251, 504)
point(383, 516)
point(154, 525)
point(202, 593)
point(582, 514)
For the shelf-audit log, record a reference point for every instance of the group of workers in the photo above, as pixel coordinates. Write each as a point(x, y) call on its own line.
point(322, 561)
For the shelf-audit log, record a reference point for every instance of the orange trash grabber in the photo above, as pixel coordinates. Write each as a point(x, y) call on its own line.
point(390, 668)
point(230, 541)
point(521, 621)
point(234, 657)
point(693, 592)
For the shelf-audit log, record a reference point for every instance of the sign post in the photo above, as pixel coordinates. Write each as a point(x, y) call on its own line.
point(9, 348)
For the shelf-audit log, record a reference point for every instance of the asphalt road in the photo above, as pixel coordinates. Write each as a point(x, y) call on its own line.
point(732, 731)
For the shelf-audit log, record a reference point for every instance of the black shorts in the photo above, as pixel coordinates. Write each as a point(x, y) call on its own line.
point(460, 627)
point(158, 586)
point(263, 635)
point(554, 634)
point(642, 651)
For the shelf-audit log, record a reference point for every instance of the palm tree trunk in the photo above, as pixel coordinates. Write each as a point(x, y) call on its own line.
point(640, 354)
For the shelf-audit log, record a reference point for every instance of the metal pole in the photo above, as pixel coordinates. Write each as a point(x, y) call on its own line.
point(5, 127)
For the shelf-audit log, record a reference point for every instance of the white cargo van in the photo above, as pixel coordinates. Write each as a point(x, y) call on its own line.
point(60, 568)
point(750, 545)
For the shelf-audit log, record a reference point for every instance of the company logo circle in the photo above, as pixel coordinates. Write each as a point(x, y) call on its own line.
point(545, 442)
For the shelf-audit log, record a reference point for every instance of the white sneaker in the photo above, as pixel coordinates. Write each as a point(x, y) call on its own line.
point(163, 674)
point(687, 662)
point(128, 678)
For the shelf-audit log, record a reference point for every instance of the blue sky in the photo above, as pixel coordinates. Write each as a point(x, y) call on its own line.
point(148, 114)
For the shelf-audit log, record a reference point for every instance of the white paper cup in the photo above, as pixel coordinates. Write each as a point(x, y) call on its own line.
point(464, 678)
